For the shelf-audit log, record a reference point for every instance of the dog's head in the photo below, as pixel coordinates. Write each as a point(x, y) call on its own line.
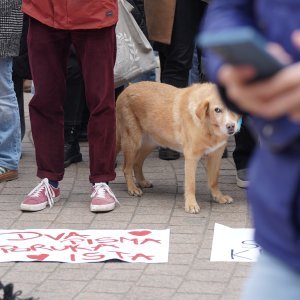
point(212, 111)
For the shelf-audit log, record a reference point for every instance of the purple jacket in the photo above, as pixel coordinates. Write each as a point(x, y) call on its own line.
point(274, 192)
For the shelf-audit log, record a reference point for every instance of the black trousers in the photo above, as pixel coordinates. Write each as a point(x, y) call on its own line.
point(75, 108)
point(176, 58)
point(18, 87)
point(21, 71)
point(245, 143)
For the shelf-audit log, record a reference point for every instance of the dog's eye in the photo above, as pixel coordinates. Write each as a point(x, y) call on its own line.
point(218, 110)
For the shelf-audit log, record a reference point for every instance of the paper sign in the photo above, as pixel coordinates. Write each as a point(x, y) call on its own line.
point(82, 246)
point(234, 244)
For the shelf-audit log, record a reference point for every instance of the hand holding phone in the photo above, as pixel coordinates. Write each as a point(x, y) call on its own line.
point(242, 46)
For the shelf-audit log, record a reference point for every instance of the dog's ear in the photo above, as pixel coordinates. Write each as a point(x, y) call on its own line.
point(202, 110)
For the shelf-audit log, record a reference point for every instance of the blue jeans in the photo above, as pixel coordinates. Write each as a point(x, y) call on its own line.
point(271, 279)
point(10, 129)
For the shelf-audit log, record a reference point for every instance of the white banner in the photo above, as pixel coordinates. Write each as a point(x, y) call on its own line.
point(82, 246)
point(234, 244)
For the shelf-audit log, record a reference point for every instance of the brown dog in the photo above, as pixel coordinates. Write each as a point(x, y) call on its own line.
point(192, 120)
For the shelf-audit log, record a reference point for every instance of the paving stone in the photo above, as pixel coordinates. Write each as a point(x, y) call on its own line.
point(126, 274)
point(191, 286)
point(46, 267)
point(108, 225)
point(180, 259)
point(31, 224)
point(160, 281)
point(102, 296)
point(231, 296)
point(150, 218)
point(117, 216)
point(185, 238)
point(209, 275)
point(24, 277)
point(3, 270)
point(69, 286)
point(183, 248)
point(81, 219)
point(148, 226)
point(185, 296)
point(6, 223)
point(124, 266)
point(147, 293)
point(109, 286)
point(55, 294)
point(77, 226)
point(73, 274)
point(242, 269)
point(166, 269)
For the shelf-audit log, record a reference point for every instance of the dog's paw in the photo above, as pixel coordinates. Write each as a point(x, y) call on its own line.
point(145, 184)
point(223, 199)
point(192, 208)
point(135, 192)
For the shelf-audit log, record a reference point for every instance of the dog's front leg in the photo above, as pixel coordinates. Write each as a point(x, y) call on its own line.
point(213, 169)
point(190, 166)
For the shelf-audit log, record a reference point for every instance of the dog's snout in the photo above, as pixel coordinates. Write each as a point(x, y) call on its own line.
point(230, 128)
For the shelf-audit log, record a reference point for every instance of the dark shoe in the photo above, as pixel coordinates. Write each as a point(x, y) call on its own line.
point(72, 154)
point(82, 135)
point(168, 154)
point(7, 175)
point(71, 148)
point(242, 178)
point(225, 153)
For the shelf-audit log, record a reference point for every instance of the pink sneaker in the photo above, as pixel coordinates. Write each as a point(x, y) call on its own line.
point(42, 195)
point(103, 199)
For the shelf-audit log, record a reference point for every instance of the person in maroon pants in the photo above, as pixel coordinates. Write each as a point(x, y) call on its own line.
point(90, 26)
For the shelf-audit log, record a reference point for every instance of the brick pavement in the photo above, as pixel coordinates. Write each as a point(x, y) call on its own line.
point(188, 275)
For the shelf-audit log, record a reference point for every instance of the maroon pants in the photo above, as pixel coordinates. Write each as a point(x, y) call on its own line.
point(48, 52)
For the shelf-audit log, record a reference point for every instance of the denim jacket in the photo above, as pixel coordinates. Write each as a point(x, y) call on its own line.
point(274, 191)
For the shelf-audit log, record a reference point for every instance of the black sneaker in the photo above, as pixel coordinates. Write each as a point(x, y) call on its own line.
point(71, 154)
point(242, 178)
point(71, 147)
point(168, 154)
point(82, 135)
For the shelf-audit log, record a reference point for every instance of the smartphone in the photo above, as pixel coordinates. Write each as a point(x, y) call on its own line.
point(241, 46)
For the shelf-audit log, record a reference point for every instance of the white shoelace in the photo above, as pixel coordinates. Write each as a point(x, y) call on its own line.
point(44, 184)
point(3, 170)
point(100, 189)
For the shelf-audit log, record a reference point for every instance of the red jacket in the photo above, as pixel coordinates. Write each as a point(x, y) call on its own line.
point(73, 14)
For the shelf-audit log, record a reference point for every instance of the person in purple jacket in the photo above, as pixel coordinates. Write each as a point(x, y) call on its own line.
point(274, 104)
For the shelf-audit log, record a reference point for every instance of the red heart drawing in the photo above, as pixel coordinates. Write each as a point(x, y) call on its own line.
point(39, 257)
point(140, 232)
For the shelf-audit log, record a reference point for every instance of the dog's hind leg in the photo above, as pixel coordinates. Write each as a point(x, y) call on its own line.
point(213, 169)
point(146, 148)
